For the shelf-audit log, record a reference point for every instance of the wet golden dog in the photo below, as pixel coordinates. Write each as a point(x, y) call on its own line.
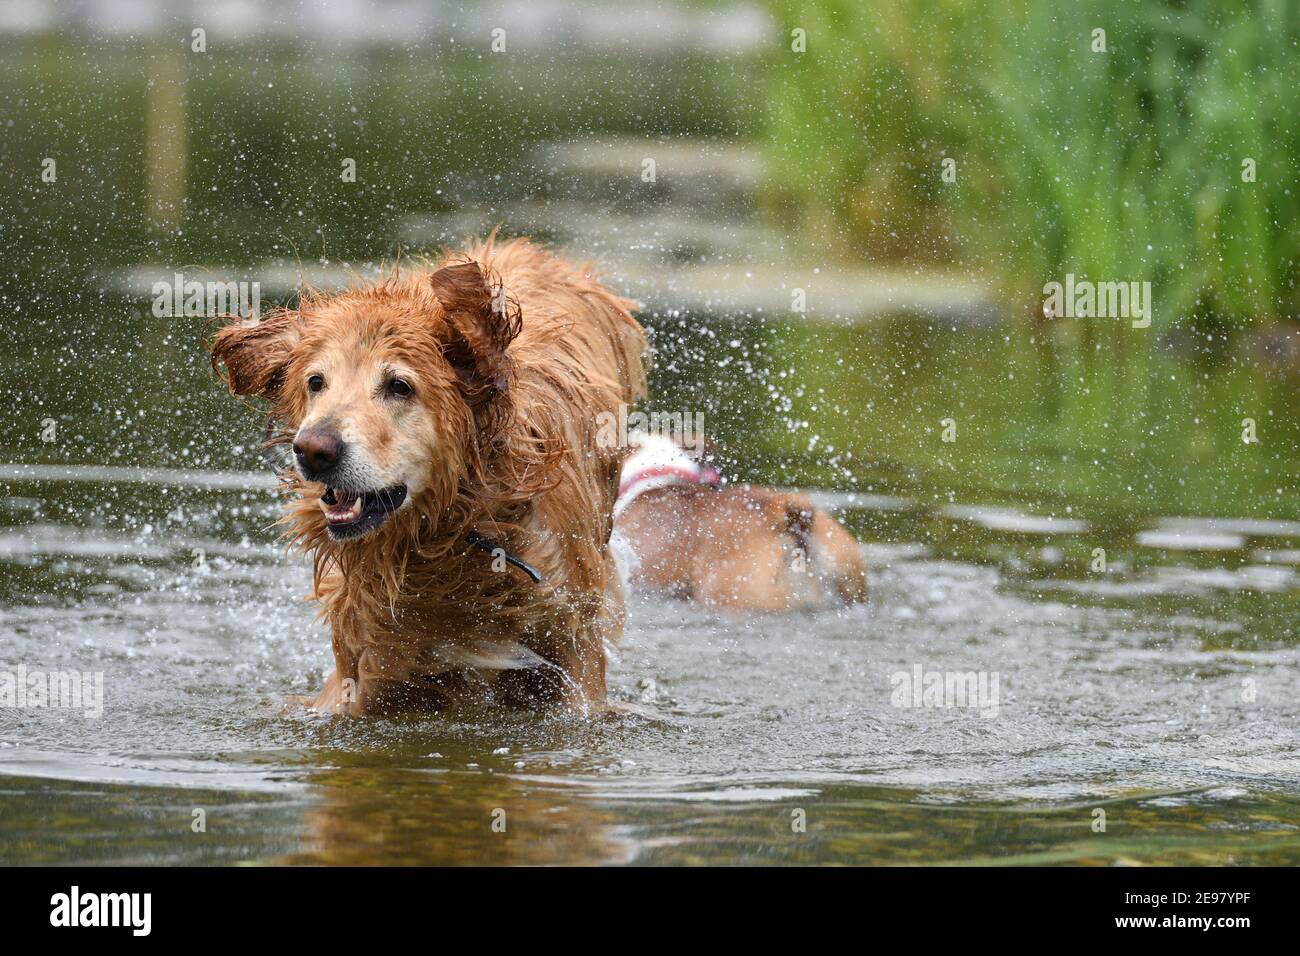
point(443, 421)
point(735, 547)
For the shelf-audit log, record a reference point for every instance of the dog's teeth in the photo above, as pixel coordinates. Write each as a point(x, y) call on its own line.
point(335, 512)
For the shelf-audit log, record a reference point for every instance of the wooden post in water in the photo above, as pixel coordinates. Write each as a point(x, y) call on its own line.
point(166, 142)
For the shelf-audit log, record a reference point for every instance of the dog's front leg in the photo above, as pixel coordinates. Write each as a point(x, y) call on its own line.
point(333, 698)
point(580, 662)
point(342, 691)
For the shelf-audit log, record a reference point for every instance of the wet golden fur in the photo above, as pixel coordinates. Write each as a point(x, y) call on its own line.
point(514, 354)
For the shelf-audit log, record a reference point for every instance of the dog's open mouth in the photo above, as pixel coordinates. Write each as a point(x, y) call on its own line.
point(348, 513)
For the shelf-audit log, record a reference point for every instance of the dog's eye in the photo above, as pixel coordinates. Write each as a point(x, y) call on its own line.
point(315, 383)
point(399, 388)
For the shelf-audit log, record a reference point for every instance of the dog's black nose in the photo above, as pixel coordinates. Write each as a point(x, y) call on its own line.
point(317, 451)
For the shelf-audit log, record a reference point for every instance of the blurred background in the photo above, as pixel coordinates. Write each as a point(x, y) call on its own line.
point(220, 152)
point(1115, 528)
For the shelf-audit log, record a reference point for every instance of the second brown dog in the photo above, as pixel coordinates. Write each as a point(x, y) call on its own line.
point(739, 548)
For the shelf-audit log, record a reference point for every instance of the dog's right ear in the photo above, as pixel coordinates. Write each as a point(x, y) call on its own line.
point(255, 354)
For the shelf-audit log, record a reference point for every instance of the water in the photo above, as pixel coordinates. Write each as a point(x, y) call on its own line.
point(1125, 693)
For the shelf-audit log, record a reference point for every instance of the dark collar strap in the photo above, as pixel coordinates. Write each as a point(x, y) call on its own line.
point(483, 544)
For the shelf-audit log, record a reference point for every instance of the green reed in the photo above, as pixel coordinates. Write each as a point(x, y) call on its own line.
point(1122, 165)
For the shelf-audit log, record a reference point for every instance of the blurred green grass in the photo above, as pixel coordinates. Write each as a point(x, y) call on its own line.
point(1123, 165)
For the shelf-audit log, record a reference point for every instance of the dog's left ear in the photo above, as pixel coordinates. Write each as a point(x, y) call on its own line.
point(481, 323)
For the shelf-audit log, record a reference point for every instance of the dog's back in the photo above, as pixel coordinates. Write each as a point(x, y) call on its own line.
point(578, 355)
point(742, 548)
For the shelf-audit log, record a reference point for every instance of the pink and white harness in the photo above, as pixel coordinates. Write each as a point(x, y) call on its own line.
point(658, 462)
